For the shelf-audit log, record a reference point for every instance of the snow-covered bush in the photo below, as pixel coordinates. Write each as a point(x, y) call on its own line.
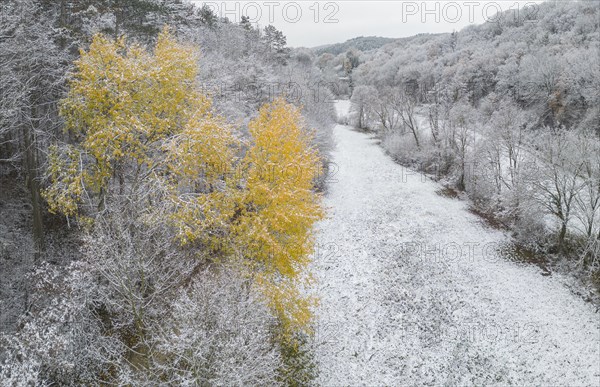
point(61, 339)
point(216, 333)
point(139, 310)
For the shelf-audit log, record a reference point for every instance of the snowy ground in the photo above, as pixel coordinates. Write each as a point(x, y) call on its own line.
point(414, 292)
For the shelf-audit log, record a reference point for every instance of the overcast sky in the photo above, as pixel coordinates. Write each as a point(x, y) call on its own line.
point(314, 23)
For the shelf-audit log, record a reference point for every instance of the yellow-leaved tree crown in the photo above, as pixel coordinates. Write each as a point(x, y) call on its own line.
point(140, 122)
point(280, 207)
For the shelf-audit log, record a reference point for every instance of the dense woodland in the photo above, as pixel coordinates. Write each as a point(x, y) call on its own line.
point(362, 43)
point(507, 112)
point(160, 169)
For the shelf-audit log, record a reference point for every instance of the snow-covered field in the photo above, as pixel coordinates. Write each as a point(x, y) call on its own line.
point(414, 292)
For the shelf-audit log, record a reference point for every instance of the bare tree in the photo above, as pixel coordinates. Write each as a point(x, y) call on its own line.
point(405, 106)
point(384, 110)
point(33, 76)
point(217, 333)
point(461, 138)
point(362, 99)
point(138, 309)
point(588, 200)
point(506, 147)
point(560, 177)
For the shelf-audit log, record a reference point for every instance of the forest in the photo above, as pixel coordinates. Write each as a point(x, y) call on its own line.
point(159, 182)
point(184, 199)
point(505, 112)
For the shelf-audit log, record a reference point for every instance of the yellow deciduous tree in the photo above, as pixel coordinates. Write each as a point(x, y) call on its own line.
point(140, 115)
point(140, 119)
point(279, 208)
point(68, 187)
point(200, 159)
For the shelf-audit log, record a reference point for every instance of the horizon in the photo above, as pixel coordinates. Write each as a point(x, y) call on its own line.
point(320, 23)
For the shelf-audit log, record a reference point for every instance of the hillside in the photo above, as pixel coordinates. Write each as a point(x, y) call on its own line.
point(505, 112)
point(121, 126)
point(362, 43)
point(416, 289)
point(178, 206)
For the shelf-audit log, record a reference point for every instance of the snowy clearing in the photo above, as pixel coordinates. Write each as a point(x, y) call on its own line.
point(414, 290)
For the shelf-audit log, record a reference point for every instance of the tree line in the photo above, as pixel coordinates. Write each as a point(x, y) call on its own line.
point(505, 111)
point(186, 217)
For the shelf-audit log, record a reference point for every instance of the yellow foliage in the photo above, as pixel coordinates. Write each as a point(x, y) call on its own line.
point(142, 112)
point(203, 150)
point(293, 308)
point(139, 115)
point(199, 159)
point(65, 170)
point(279, 206)
point(125, 100)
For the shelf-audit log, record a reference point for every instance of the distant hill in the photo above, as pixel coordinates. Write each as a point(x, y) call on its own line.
point(362, 43)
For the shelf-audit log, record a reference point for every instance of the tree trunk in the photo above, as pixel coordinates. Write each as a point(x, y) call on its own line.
point(414, 132)
point(63, 13)
point(561, 237)
point(360, 118)
point(461, 181)
point(31, 165)
point(6, 150)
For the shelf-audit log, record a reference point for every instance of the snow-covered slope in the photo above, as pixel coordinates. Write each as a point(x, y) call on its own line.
point(414, 291)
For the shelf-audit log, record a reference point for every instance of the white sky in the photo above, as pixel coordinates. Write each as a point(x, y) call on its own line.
point(313, 23)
